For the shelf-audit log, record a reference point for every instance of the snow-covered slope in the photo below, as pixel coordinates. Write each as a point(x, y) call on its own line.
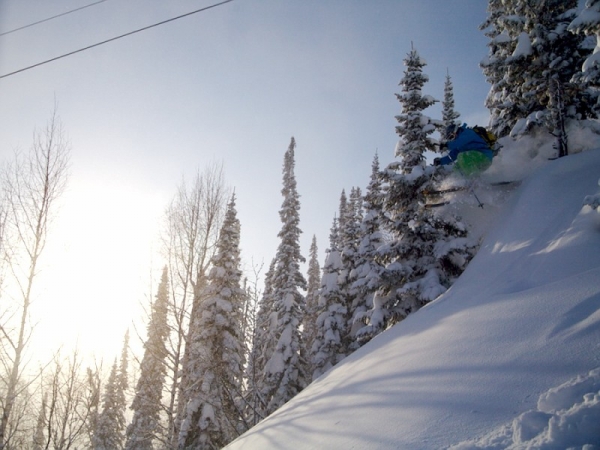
point(495, 359)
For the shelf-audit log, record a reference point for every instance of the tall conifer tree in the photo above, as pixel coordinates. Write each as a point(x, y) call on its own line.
point(532, 60)
point(350, 239)
point(414, 128)
point(213, 414)
point(312, 298)
point(286, 370)
point(145, 425)
point(341, 219)
point(418, 266)
point(503, 28)
point(110, 430)
point(587, 22)
point(329, 346)
point(368, 265)
point(449, 114)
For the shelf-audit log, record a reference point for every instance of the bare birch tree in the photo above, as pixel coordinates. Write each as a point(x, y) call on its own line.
point(193, 221)
point(67, 407)
point(31, 185)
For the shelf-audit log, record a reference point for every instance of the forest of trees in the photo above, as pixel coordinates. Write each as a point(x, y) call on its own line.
point(220, 355)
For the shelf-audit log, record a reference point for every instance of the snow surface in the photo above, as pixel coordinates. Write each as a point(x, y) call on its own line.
point(508, 357)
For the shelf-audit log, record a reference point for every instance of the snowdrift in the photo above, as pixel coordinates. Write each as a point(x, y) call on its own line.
point(508, 357)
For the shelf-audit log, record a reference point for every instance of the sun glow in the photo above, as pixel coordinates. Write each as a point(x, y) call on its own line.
point(97, 268)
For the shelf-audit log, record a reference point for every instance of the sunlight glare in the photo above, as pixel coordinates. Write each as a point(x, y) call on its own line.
point(102, 240)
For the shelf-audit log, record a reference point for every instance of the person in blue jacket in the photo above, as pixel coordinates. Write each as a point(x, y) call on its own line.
point(469, 152)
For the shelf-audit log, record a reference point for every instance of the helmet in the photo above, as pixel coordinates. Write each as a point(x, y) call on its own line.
point(451, 130)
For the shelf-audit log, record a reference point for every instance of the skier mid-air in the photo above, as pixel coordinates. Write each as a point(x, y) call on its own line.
point(467, 149)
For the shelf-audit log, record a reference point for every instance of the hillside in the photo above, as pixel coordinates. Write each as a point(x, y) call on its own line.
point(495, 359)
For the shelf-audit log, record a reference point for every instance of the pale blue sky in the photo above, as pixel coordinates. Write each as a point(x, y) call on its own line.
point(232, 85)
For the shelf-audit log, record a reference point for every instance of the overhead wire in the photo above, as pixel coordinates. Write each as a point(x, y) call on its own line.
point(4, 33)
point(114, 38)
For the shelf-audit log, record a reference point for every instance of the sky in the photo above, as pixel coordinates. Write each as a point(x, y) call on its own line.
point(230, 85)
point(507, 359)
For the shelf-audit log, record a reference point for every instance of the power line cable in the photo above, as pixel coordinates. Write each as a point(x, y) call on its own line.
point(114, 39)
point(51, 18)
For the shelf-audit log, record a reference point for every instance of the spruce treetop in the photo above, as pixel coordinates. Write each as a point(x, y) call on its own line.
point(449, 114)
point(414, 127)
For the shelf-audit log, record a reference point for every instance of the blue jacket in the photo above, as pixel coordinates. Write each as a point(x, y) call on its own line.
point(466, 140)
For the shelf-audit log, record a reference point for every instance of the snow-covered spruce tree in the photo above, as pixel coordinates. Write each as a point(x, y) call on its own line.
point(532, 56)
point(286, 370)
point(560, 54)
point(194, 219)
point(329, 346)
point(503, 32)
point(341, 222)
point(350, 238)
point(368, 265)
point(250, 309)
point(213, 413)
point(414, 127)
point(124, 373)
point(110, 430)
point(587, 22)
point(345, 241)
point(110, 424)
point(145, 426)
point(309, 324)
point(449, 114)
point(427, 251)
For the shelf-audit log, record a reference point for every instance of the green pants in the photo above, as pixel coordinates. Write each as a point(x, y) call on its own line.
point(472, 163)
